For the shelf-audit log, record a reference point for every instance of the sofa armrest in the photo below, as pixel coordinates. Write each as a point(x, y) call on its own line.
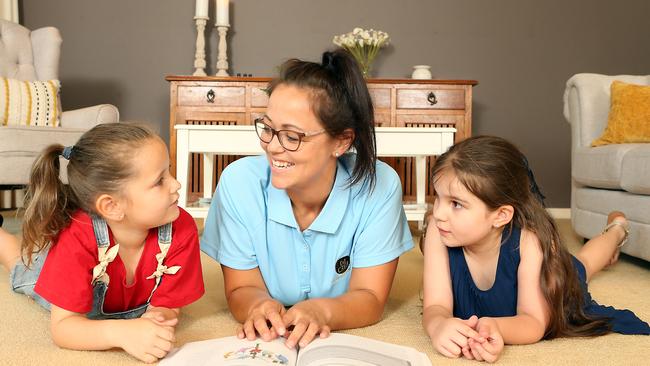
point(90, 116)
point(587, 101)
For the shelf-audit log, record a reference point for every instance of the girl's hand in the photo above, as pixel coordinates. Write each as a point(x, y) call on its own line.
point(308, 320)
point(145, 339)
point(490, 349)
point(162, 315)
point(450, 337)
point(259, 317)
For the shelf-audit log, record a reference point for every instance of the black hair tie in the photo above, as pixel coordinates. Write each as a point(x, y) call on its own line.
point(533, 184)
point(328, 61)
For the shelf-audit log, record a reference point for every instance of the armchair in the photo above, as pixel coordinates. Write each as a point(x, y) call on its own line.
point(34, 55)
point(609, 177)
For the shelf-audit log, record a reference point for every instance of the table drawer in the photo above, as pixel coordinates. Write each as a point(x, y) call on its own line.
point(380, 97)
point(430, 99)
point(259, 97)
point(211, 96)
point(428, 120)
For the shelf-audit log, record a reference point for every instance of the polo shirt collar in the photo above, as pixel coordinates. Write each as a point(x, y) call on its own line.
point(330, 217)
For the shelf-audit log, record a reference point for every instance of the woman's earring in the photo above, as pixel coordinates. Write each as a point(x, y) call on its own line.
point(336, 154)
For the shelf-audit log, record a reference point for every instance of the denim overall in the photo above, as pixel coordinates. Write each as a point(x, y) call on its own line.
point(22, 279)
point(100, 278)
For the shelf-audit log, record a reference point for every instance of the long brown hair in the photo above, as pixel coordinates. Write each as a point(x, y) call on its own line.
point(100, 163)
point(496, 172)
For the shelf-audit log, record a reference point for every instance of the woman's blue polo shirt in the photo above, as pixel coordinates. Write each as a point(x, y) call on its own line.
point(251, 224)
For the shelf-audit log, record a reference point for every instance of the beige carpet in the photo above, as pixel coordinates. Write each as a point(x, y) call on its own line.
point(25, 335)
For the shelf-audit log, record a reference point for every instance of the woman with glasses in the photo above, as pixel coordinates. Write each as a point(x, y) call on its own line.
point(309, 234)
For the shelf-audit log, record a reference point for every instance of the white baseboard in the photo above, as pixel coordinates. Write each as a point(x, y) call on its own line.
point(559, 213)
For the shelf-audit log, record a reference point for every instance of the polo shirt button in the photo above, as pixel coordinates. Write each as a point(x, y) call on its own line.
point(305, 267)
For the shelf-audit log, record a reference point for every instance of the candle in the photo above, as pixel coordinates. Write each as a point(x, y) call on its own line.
point(201, 8)
point(222, 13)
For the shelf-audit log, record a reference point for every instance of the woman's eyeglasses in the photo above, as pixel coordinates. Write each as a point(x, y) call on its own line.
point(289, 140)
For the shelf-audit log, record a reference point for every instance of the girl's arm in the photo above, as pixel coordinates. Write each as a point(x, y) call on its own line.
point(363, 304)
point(141, 337)
point(449, 335)
point(529, 325)
point(162, 315)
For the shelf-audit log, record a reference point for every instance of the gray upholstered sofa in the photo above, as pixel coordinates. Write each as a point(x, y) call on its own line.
point(609, 177)
point(34, 55)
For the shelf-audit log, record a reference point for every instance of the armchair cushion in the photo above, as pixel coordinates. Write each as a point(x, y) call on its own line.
point(629, 115)
point(29, 103)
point(617, 166)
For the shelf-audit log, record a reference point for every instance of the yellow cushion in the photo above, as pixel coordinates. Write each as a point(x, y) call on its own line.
point(629, 115)
point(29, 103)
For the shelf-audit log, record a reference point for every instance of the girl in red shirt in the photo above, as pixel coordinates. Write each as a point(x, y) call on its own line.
point(110, 253)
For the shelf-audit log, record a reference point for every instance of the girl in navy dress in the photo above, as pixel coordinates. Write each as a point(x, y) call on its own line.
point(496, 271)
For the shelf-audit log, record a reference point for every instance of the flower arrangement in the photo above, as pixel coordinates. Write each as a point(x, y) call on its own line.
point(363, 45)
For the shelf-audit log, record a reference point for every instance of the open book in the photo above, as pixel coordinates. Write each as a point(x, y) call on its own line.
point(338, 349)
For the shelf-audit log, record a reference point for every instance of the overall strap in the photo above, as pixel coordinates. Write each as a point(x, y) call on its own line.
point(105, 255)
point(164, 242)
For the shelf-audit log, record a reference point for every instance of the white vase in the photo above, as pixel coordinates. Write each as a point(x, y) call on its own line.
point(421, 72)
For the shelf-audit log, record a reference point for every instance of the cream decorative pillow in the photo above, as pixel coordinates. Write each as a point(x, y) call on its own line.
point(629, 115)
point(29, 103)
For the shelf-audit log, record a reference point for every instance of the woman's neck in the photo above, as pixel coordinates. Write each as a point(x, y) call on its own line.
point(308, 202)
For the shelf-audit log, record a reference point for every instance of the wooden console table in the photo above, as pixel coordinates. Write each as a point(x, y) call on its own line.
point(211, 140)
point(196, 100)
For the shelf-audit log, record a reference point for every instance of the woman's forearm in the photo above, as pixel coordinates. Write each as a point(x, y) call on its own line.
point(243, 299)
point(354, 309)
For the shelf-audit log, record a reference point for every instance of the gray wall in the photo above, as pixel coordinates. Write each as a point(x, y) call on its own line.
point(521, 52)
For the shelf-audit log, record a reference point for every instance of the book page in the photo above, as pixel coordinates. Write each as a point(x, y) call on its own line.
point(232, 351)
point(344, 349)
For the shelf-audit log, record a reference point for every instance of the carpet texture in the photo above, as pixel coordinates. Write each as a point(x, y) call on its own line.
point(25, 335)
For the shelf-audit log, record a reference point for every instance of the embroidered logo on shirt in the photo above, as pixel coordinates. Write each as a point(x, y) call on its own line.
point(342, 264)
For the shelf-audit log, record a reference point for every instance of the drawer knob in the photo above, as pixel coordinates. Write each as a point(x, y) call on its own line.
point(432, 98)
point(210, 96)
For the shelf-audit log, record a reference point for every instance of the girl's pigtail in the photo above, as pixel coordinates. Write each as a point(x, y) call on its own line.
point(48, 203)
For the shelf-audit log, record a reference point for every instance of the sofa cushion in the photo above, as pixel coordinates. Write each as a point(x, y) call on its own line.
point(600, 167)
point(629, 115)
point(603, 201)
point(29, 103)
point(635, 171)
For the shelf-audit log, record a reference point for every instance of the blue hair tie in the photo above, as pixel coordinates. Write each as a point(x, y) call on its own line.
point(67, 152)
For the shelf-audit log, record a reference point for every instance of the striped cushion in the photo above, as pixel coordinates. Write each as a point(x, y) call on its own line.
point(29, 103)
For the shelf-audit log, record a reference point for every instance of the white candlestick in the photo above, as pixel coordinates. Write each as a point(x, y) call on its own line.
point(222, 55)
point(201, 9)
point(199, 56)
point(222, 13)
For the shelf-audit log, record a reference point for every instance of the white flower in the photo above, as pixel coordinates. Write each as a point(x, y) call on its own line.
point(362, 44)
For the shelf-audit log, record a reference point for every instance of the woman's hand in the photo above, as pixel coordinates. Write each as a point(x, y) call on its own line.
point(450, 336)
point(265, 312)
point(308, 319)
point(490, 349)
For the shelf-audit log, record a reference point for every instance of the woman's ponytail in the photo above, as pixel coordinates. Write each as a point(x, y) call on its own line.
point(48, 203)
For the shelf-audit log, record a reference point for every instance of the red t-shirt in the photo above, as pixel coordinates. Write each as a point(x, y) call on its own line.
point(65, 280)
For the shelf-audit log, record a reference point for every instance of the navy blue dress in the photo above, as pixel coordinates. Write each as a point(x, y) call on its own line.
point(501, 299)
